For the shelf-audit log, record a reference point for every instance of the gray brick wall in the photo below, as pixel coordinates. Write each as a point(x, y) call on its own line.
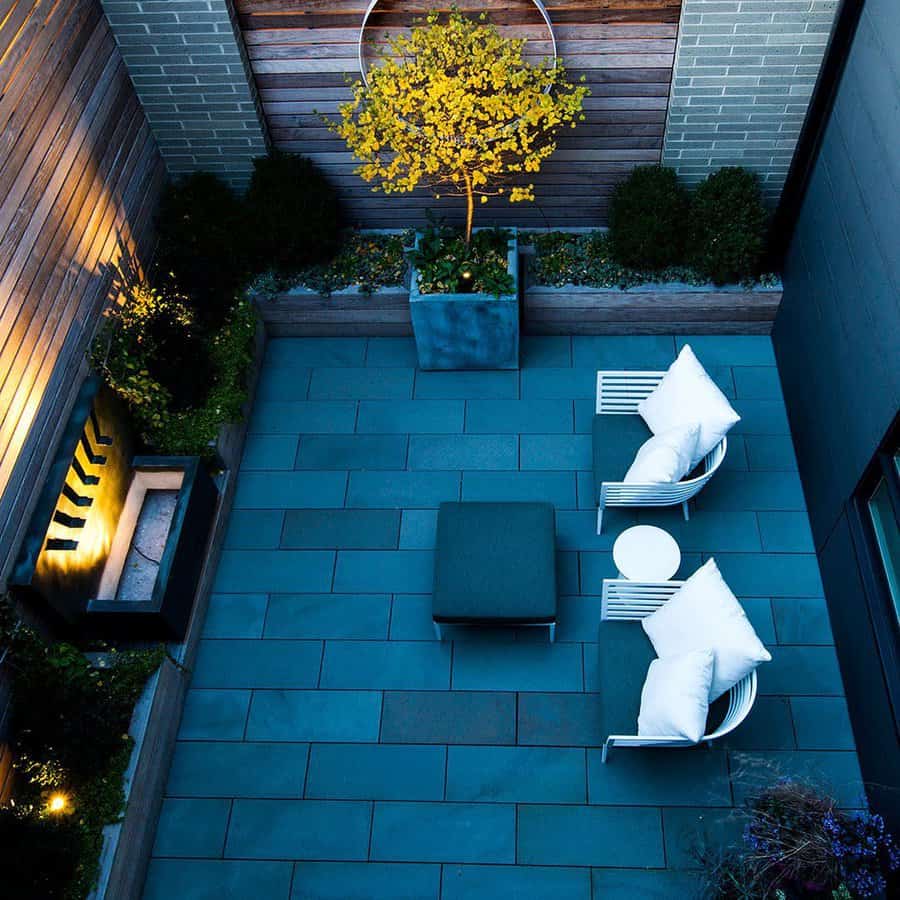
point(190, 69)
point(744, 74)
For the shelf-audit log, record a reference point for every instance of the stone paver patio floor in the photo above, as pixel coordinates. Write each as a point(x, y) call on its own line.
point(331, 748)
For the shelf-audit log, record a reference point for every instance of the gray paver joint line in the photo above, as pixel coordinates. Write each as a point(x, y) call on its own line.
point(430, 761)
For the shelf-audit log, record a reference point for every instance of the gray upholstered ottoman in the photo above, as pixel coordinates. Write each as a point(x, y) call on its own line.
point(495, 564)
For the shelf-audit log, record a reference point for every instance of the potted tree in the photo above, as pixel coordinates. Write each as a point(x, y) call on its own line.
point(455, 107)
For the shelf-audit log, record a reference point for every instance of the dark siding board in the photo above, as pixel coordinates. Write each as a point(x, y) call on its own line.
point(837, 340)
point(303, 53)
point(79, 178)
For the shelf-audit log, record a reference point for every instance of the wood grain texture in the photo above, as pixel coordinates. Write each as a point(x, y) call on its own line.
point(304, 51)
point(79, 179)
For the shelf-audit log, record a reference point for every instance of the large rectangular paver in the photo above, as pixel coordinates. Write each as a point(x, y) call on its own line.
point(303, 416)
point(254, 529)
point(785, 532)
point(232, 769)
point(235, 615)
point(689, 829)
point(299, 829)
point(476, 882)
point(557, 488)
point(214, 715)
point(351, 451)
point(392, 351)
point(822, 723)
point(754, 490)
point(365, 881)
point(273, 571)
point(314, 716)
point(410, 416)
point(467, 385)
point(217, 879)
point(730, 349)
point(371, 383)
point(771, 574)
point(191, 827)
point(444, 832)
point(757, 382)
point(707, 531)
point(767, 452)
point(802, 620)
point(516, 774)
point(589, 836)
point(266, 452)
point(560, 720)
point(393, 572)
point(559, 384)
point(290, 352)
point(801, 670)
point(418, 529)
point(555, 451)
point(517, 667)
point(463, 451)
point(352, 616)
point(449, 717)
point(402, 489)
point(243, 663)
point(359, 529)
point(769, 726)
point(648, 352)
point(519, 416)
point(290, 490)
point(376, 772)
point(545, 350)
point(388, 665)
point(660, 884)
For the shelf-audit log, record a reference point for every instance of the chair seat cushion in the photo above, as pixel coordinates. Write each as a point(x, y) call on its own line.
point(495, 563)
point(615, 441)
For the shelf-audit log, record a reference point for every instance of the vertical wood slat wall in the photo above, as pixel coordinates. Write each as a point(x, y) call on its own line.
point(303, 51)
point(79, 178)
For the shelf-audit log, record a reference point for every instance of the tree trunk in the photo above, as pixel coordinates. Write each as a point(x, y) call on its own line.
point(470, 208)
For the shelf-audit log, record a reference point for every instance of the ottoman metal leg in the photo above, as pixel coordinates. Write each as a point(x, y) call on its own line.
point(552, 632)
point(437, 631)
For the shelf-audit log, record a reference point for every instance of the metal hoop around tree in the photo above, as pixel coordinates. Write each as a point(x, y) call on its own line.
point(373, 3)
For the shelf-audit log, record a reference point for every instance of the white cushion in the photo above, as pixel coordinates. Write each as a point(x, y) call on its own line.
point(675, 698)
point(687, 394)
point(665, 458)
point(703, 614)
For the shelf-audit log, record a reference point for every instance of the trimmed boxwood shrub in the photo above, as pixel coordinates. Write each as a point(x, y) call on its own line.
point(647, 219)
point(727, 226)
point(292, 214)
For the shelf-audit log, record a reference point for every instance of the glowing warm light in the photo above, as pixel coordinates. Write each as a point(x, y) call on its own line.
point(58, 804)
point(467, 274)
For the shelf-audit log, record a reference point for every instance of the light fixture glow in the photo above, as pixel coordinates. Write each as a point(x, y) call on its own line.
point(57, 803)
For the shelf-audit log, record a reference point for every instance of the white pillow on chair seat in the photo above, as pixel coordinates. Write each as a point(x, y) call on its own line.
point(666, 457)
point(687, 394)
point(702, 614)
point(675, 698)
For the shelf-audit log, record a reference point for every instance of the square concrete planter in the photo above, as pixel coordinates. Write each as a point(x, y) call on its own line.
point(467, 331)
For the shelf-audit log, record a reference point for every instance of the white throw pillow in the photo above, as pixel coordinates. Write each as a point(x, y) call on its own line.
point(665, 458)
point(687, 394)
point(675, 698)
point(702, 614)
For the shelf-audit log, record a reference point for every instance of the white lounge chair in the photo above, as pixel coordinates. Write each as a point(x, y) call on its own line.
point(626, 653)
point(618, 432)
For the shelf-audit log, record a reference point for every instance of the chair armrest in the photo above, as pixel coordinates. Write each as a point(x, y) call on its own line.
point(620, 392)
point(625, 600)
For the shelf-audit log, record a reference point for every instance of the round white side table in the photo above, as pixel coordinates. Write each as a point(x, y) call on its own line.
point(646, 553)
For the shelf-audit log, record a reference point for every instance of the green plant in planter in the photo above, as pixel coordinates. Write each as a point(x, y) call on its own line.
point(727, 226)
point(647, 219)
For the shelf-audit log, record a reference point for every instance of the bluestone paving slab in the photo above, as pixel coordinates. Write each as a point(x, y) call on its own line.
point(519, 416)
point(449, 717)
point(410, 416)
point(802, 671)
point(544, 350)
point(707, 531)
point(467, 385)
point(315, 351)
point(577, 529)
point(519, 882)
point(254, 529)
point(802, 620)
point(314, 716)
point(232, 769)
point(516, 774)
point(402, 489)
point(392, 351)
point(444, 832)
point(643, 352)
point(303, 416)
point(589, 836)
point(384, 571)
point(736, 457)
point(769, 726)
point(359, 529)
point(761, 417)
point(753, 490)
point(689, 830)
point(578, 619)
point(411, 618)
point(585, 411)
point(822, 723)
point(759, 612)
point(283, 383)
point(372, 383)
point(517, 667)
point(555, 451)
point(376, 772)
point(274, 571)
point(771, 574)
point(766, 452)
point(646, 777)
point(299, 829)
point(351, 451)
point(257, 664)
point(266, 452)
point(191, 827)
point(365, 881)
point(757, 382)
point(463, 451)
point(214, 715)
point(280, 490)
point(235, 615)
point(836, 772)
point(628, 884)
point(559, 384)
point(386, 665)
point(557, 488)
point(418, 529)
point(351, 616)
point(785, 532)
point(217, 879)
point(730, 349)
point(567, 575)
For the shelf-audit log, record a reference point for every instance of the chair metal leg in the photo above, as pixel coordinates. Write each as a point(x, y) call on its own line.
point(687, 515)
point(437, 631)
point(552, 632)
point(599, 519)
point(605, 752)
